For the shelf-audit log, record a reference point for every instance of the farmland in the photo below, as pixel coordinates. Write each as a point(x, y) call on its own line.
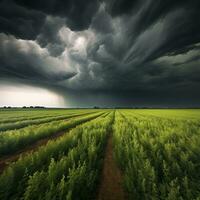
point(149, 154)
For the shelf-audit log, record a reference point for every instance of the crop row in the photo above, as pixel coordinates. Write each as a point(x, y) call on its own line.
point(21, 124)
point(34, 116)
point(67, 168)
point(17, 113)
point(11, 141)
point(159, 157)
point(177, 114)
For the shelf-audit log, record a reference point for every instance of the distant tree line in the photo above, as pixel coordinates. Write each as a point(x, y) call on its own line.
point(32, 107)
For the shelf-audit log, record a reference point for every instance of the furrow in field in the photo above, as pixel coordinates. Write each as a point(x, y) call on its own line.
point(110, 187)
point(6, 160)
point(111, 180)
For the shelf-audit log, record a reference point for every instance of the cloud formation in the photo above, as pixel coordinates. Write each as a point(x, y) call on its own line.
point(145, 51)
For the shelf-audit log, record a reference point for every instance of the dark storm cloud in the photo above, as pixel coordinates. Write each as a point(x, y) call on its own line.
point(195, 58)
point(78, 13)
point(24, 19)
point(135, 49)
point(102, 22)
point(19, 21)
point(28, 61)
point(182, 30)
point(119, 7)
point(49, 35)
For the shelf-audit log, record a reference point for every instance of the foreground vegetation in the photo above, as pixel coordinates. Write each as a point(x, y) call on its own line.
point(67, 168)
point(11, 141)
point(160, 157)
point(157, 151)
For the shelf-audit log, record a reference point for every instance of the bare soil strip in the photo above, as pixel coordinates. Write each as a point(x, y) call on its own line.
point(111, 180)
point(6, 160)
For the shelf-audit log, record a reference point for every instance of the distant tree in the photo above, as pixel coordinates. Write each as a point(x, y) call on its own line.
point(39, 107)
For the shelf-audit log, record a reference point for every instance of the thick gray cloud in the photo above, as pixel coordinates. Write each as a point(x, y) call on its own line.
point(19, 21)
point(49, 37)
point(77, 12)
point(26, 60)
point(145, 51)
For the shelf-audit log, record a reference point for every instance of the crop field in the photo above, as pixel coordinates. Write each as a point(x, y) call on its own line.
point(102, 154)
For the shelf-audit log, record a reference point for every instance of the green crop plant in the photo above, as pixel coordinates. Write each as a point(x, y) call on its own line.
point(158, 156)
point(67, 168)
point(11, 141)
point(24, 123)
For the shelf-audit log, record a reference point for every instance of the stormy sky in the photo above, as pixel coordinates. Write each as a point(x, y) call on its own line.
point(101, 52)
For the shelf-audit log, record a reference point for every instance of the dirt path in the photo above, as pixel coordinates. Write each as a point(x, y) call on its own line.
point(111, 180)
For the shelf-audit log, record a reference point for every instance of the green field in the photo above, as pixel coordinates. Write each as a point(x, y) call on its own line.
point(59, 153)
